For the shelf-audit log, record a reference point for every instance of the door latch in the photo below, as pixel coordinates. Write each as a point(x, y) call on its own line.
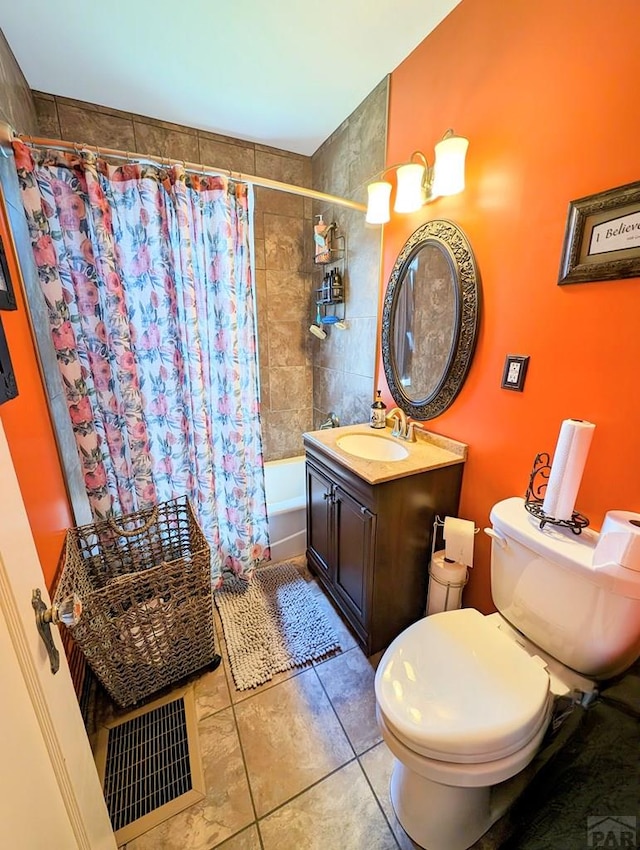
point(68, 612)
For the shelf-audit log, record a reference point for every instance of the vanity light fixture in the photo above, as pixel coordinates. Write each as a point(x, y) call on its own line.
point(418, 183)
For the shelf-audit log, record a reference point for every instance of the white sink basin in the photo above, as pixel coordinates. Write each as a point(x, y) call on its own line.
point(372, 447)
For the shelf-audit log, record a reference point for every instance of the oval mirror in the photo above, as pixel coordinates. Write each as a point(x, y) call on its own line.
point(430, 319)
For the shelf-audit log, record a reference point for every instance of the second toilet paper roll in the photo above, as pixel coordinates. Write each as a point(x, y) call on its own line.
point(568, 465)
point(445, 585)
point(619, 541)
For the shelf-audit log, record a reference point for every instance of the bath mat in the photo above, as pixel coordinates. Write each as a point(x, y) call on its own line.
point(272, 623)
point(149, 764)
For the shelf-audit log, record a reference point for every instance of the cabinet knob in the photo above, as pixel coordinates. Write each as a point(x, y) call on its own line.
point(327, 495)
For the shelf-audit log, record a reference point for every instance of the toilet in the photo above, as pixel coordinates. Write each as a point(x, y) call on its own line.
point(463, 700)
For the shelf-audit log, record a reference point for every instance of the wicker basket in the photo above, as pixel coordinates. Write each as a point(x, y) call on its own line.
point(145, 586)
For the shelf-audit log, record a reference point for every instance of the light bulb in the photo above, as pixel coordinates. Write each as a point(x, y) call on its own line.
point(378, 207)
point(449, 166)
point(409, 191)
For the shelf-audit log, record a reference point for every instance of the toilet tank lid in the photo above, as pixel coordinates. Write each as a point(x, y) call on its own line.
point(572, 551)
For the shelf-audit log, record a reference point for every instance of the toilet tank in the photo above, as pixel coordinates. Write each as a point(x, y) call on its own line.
point(544, 583)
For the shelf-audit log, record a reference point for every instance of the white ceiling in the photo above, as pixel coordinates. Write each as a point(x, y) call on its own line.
point(284, 73)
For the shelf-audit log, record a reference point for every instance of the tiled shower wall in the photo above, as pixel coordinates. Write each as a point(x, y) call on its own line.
point(344, 363)
point(16, 104)
point(281, 220)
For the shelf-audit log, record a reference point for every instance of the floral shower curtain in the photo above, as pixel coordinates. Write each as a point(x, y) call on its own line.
point(146, 277)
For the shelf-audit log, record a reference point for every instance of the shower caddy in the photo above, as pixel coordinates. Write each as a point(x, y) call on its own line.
point(330, 297)
point(144, 581)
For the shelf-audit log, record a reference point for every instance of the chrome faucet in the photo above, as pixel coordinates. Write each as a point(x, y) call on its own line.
point(332, 422)
point(400, 426)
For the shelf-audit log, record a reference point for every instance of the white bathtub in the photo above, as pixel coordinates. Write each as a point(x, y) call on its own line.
point(286, 507)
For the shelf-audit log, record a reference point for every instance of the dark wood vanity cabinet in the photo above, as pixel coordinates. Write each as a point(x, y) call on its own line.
point(370, 544)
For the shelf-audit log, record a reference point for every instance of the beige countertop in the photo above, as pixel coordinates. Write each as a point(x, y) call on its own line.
point(430, 451)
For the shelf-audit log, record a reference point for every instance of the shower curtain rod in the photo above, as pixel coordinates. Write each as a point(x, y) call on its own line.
point(7, 135)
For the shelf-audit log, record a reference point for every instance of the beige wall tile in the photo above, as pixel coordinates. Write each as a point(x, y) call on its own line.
point(233, 157)
point(16, 103)
point(288, 344)
point(330, 164)
point(92, 107)
point(159, 141)
point(286, 296)
point(265, 399)
point(367, 137)
point(328, 393)
point(290, 387)
point(260, 284)
point(47, 113)
point(283, 432)
point(259, 252)
point(344, 365)
point(258, 219)
point(281, 203)
point(95, 128)
point(282, 166)
point(220, 137)
point(283, 243)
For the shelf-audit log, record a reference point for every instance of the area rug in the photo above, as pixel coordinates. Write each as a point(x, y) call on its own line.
point(272, 623)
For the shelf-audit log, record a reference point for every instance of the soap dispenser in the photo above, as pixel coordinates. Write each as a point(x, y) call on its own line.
point(378, 413)
point(320, 237)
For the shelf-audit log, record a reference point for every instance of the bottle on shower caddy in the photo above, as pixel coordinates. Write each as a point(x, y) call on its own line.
point(378, 413)
point(337, 291)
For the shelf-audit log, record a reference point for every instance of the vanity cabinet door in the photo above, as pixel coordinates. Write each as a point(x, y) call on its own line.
point(354, 553)
point(319, 524)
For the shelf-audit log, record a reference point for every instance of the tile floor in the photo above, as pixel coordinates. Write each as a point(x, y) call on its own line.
point(295, 764)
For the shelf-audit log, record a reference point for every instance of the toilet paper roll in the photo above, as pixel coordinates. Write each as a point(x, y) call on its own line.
point(568, 465)
point(459, 535)
point(619, 541)
point(445, 584)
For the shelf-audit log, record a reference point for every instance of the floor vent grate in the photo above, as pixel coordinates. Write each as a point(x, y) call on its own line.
point(148, 758)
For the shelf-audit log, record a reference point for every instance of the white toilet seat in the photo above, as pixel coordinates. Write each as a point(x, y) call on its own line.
point(453, 688)
point(465, 775)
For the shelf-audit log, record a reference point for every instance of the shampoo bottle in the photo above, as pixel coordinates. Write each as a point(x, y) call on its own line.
point(320, 237)
point(337, 292)
point(378, 413)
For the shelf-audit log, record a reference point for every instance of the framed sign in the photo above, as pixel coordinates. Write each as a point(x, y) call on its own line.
point(602, 239)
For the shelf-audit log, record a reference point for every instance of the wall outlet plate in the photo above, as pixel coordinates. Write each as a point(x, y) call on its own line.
point(515, 371)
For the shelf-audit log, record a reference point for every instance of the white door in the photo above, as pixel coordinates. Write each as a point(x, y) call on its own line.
point(50, 794)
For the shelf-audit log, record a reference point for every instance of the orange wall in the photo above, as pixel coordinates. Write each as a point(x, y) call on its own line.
point(29, 432)
point(546, 92)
